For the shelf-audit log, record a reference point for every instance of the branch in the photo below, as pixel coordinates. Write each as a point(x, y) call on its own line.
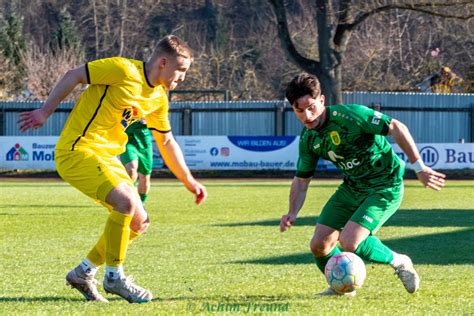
point(342, 32)
point(419, 7)
point(309, 65)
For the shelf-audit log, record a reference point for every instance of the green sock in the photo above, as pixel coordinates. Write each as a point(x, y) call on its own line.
point(321, 261)
point(143, 197)
point(372, 249)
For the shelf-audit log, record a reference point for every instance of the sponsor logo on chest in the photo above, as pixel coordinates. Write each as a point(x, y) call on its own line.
point(335, 138)
point(128, 116)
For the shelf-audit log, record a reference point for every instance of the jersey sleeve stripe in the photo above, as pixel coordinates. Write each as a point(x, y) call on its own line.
point(159, 131)
point(92, 118)
point(385, 128)
point(87, 73)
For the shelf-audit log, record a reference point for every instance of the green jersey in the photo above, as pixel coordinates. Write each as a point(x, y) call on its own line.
point(353, 138)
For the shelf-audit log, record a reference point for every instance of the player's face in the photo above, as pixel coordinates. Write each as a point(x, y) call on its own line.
point(311, 112)
point(173, 71)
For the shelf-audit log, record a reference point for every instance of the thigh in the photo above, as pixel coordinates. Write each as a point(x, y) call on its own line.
point(352, 235)
point(131, 166)
point(91, 174)
point(325, 237)
point(339, 208)
point(378, 207)
point(130, 154)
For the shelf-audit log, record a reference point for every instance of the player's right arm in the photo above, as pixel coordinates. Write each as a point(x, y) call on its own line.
point(305, 168)
point(36, 118)
point(299, 187)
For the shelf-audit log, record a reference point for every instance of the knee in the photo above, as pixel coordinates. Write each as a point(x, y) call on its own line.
point(128, 204)
point(132, 171)
point(141, 227)
point(320, 248)
point(147, 184)
point(144, 182)
point(133, 174)
point(348, 244)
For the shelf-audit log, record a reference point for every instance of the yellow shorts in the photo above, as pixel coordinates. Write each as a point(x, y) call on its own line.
point(93, 175)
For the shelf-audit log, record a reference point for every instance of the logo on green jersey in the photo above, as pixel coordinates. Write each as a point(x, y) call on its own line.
point(335, 138)
point(344, 165)
point(333, 156)
point(377, 117)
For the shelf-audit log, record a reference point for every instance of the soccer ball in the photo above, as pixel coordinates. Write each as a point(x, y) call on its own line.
point(345, 272)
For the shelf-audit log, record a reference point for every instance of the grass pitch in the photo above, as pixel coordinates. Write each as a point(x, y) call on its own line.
point(228, 256)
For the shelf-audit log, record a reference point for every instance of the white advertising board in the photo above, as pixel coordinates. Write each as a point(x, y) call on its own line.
point(227, 153)
point(242, 152)
point(27, 152)
point(443, 155)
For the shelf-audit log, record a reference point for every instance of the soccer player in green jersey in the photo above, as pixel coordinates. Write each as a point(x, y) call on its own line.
point(353, 138)
point(138, 156)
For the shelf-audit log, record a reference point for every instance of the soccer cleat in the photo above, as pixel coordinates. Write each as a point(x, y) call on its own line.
point(330, 291)
point(86, 284)
point(407, 274)
point(126, 289)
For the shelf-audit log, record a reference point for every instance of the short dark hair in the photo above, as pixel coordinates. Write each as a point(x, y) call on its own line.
point(302, 85)
point(174, 46)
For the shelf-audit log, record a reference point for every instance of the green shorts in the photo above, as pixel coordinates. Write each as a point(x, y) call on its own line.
point(143, 155)
point(370, 210)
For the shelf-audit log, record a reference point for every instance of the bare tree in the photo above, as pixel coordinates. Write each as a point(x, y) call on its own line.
point(44, 69)
point(397, 50)
point(337, 20)
point(96, 27)
point(235, 47)
point(123, 19)
point(7, 76)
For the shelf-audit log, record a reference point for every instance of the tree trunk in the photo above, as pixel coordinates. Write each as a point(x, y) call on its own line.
point(123, 18)
point(327, 78)
point(337, 84)
point(96, 29)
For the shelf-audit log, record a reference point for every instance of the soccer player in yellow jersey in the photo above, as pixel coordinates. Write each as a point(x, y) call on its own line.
point(120, 91)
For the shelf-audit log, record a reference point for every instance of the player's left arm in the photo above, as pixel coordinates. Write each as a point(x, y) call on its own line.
point(430, 178)
point(174, 159)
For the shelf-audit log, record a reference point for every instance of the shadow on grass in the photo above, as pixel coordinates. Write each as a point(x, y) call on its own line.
point(300, 221)
point(46, 184)
point(46, 206)
point(402, 218)
point(440, 249)
point(213, 300)
point(238, 299)
point(25, 299)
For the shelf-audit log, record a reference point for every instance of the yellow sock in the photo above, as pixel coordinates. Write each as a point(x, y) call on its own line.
point(97, 254)
point(133, 235)
point(117, 234)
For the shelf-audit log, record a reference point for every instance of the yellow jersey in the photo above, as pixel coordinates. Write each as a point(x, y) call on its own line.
point(119, 93)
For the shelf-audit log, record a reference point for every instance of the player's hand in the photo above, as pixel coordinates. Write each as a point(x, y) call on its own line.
point(32, 119)
point(431, 179)
point(286, 222)
point(199, 191)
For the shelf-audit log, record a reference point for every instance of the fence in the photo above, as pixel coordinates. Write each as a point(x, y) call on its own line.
point(430, 117)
